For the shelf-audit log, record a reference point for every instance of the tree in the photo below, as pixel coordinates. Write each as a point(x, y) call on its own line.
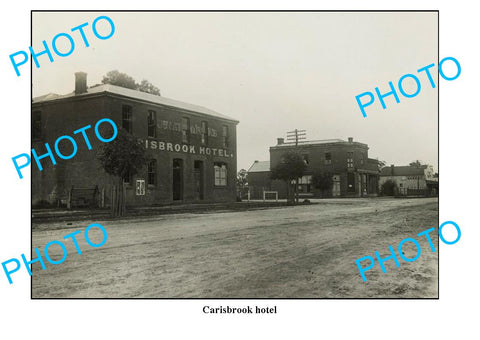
point(388, 188)
point(242, 183)
point(381, 164)
point(323, 182)
point(291, 167)
point(124, 80)
point(146, 86)
point(119, 79)
point(416, 163)
point(122, 157)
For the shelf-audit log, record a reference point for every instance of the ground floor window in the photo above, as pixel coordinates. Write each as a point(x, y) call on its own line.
point(305, 184)
point(220, 174)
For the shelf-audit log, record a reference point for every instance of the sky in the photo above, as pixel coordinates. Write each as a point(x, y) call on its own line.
point(272, 71)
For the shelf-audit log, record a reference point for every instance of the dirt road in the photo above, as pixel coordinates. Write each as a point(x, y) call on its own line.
point(290, 252)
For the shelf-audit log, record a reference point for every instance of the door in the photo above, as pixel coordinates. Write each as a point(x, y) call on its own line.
point(336, 186)
point(177, 185)
point(198, 180)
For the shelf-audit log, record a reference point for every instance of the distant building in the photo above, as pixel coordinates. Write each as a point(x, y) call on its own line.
point(353, 173)
point(192, 150)
point(411, 180)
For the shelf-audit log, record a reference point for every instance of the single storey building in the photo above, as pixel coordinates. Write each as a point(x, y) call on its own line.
point(411, 180)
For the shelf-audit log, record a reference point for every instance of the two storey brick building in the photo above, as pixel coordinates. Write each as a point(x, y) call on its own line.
point(353, 173)
point(192, 149)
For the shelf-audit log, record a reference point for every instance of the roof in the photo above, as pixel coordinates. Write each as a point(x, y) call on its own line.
point(312, 142)
point(407, 170)
point(49, 96)
point(260, 166)
point(316, 142)
point(143, 96)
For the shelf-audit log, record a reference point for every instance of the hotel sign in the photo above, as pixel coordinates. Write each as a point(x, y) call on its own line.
point(185, 148)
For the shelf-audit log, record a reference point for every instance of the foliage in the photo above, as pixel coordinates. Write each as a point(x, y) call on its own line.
point(242, 183)
point(416, 163)
point(291, 167)
point(147, 87)
point(381, 165)
point(124, 80)
point(323, 182)
point(122, 156)
point(389, 188)
point(119, 79)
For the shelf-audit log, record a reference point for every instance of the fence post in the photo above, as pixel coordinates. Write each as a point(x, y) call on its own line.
point(102, 198)
point(114, 200)
point(69, 200)
point(124, 199)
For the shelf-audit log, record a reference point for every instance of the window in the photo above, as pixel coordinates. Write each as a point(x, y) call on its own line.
point(361, 159)
point(328, 158)
point(220, 174)
point(305, 159)
point(225, 136)
point(349, 159)
point(185, 130)
point(152, 172)
point(204, 133)
point(37, 125)
point(152, 124)
point(305, 183)
point(126, 177)
point(127, 118)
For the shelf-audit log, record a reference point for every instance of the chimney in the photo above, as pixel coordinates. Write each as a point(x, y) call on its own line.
point(80, 82)
point(280, 141)
point(392, 167)
point(350, 139)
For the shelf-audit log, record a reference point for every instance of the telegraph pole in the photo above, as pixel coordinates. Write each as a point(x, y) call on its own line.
point(296, 135)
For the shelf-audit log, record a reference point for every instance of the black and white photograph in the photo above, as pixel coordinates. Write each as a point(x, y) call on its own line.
point(245, 155)
point(239, 170)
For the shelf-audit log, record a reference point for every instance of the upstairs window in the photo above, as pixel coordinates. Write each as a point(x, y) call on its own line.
point(37, 125)
point(220, 174)
point(225, 136)
point(204, 133)
point(152, 124)
point(152, 172)
point(361, 159)
point(349, 159)
point(328, 158)
point(305, 159)
point(185, 130)
point(127, 118)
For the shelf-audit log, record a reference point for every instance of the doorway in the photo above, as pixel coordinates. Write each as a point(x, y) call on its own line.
point(177, 184)
point(336, 186)
point(198, 180)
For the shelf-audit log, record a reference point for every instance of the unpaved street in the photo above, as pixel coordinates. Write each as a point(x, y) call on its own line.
point(298, 252)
